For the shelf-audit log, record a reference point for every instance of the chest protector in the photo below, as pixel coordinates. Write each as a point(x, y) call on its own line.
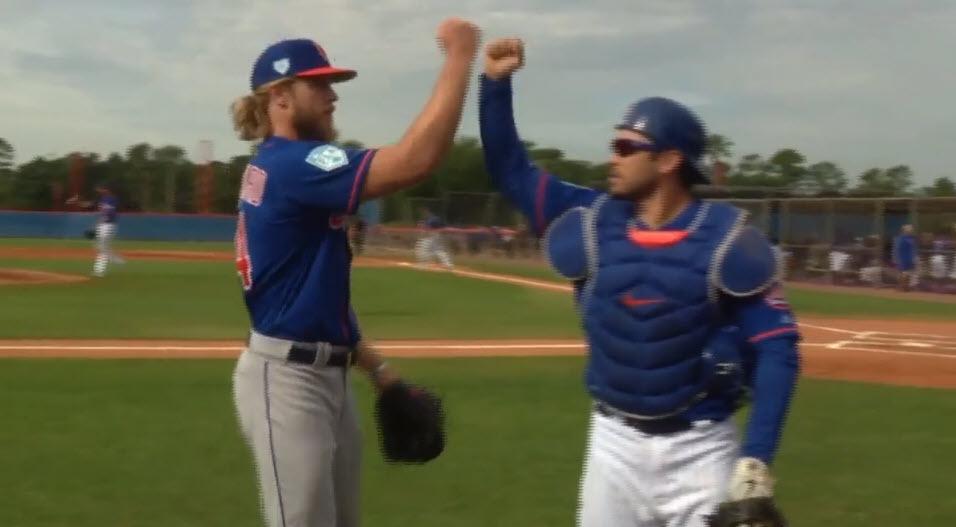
point(649, 299)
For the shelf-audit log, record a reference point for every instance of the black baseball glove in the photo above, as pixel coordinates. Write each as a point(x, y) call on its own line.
point(751, 512)
point(750, 502)
point(411, 424)
point(89, 234)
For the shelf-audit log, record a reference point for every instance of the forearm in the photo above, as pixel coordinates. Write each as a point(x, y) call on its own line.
point(375, 366)
point(506, 158)
point(429, 137)
point(778, 366)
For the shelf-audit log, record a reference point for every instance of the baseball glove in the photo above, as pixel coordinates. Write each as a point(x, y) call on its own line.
point(751, 501)
point(752, 512)
point(411, 424)
point(89, 234)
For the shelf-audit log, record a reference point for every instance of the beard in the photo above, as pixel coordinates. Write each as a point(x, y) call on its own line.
point(310, 127)
point(639, 191)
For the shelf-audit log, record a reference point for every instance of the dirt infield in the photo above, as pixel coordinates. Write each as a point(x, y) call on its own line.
point(900, 352)
point(79, 253)
point(29, 277)
point(881, 293)
point(887, 352)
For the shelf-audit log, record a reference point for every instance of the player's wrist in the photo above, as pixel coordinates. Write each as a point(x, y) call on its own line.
point(382, 375)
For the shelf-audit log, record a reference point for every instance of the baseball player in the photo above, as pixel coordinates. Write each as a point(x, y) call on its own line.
point(291, 386)
point(905, 257)
point(682, 309)
point(105, 230)
point(431, 243)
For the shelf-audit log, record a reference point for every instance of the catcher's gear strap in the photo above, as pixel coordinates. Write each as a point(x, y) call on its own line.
point(745, 264)
point(565, 244)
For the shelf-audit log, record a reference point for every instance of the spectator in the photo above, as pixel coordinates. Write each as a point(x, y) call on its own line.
point(871, 268)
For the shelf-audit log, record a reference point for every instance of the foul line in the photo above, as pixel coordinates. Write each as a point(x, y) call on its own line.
point(495, 278)
point(835, 330)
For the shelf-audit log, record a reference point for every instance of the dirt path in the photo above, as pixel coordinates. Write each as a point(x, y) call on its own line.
point(912, 353)
point(896, 352)
point(28, 276)
point(880, 293)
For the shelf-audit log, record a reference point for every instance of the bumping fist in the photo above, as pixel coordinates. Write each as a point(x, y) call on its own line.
point(458, 37)
point(503, 57)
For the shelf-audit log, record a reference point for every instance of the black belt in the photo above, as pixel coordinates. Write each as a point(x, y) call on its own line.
point(667, 425)
point(338, 357)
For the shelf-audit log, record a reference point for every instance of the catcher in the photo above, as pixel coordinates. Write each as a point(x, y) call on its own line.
point(682, 307)
point(291, 385)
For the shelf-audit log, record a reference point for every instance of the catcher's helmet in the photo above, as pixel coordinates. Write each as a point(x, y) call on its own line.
point(670, 125)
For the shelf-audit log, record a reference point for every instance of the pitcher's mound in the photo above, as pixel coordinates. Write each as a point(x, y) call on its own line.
point(30, 277)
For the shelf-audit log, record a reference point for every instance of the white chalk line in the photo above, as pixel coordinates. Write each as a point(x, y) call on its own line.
point(911, 340)
point(560, 287)
point(494, 277)
point(839, 345)
point(835, 330)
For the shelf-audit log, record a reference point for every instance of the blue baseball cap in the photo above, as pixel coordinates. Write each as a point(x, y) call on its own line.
point(298, 57)
point(671, 126)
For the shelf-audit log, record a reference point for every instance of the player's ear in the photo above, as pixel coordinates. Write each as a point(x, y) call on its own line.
point(669, 161)
point(281, 95)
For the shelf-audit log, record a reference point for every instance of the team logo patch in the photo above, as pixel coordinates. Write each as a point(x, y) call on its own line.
point(253, 185)
point(281, 66)
point(336, 221)
point(776, 299)
point(327, 157)
point(641, 123)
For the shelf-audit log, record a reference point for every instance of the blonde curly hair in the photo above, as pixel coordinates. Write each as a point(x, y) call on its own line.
point(250, 113)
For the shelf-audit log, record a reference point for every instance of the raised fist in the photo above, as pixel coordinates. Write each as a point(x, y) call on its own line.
point(503, 57)
point(458, 37)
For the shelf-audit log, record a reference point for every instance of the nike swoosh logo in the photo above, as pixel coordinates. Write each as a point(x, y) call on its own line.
point(629, 301)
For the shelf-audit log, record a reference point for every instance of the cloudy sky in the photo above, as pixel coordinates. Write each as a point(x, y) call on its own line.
point(863, 83)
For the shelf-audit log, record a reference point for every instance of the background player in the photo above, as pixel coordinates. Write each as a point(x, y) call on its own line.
point(905, 257)
point(291, 386)
point(658, 273)
point(105, 230)
point(431, 242)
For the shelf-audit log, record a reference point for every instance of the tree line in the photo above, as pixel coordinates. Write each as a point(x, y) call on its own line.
point(162, 178)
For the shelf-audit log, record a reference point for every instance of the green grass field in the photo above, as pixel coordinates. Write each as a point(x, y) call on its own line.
point(154, 443)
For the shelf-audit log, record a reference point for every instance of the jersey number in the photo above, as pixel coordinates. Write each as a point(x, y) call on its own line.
point(243, 262)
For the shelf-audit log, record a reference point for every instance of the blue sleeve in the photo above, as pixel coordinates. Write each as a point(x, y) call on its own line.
point(327, 177)
point(767, 323)
point(540, 196)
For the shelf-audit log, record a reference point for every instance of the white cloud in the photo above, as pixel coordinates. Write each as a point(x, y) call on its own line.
point(863, 82)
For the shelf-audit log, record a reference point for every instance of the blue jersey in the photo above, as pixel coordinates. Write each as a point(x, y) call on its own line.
point(292, 250)
point(107, 209)
point(904, 252)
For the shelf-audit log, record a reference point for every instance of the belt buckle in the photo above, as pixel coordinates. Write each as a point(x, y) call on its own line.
point(303, 353)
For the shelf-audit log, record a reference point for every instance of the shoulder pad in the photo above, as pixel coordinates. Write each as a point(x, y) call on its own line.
point(745, 263)
point(565, 243)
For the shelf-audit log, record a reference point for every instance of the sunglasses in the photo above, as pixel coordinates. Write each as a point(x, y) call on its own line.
point(627, 147)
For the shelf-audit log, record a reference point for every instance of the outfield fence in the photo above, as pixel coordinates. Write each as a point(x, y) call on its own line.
point(830, 240)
